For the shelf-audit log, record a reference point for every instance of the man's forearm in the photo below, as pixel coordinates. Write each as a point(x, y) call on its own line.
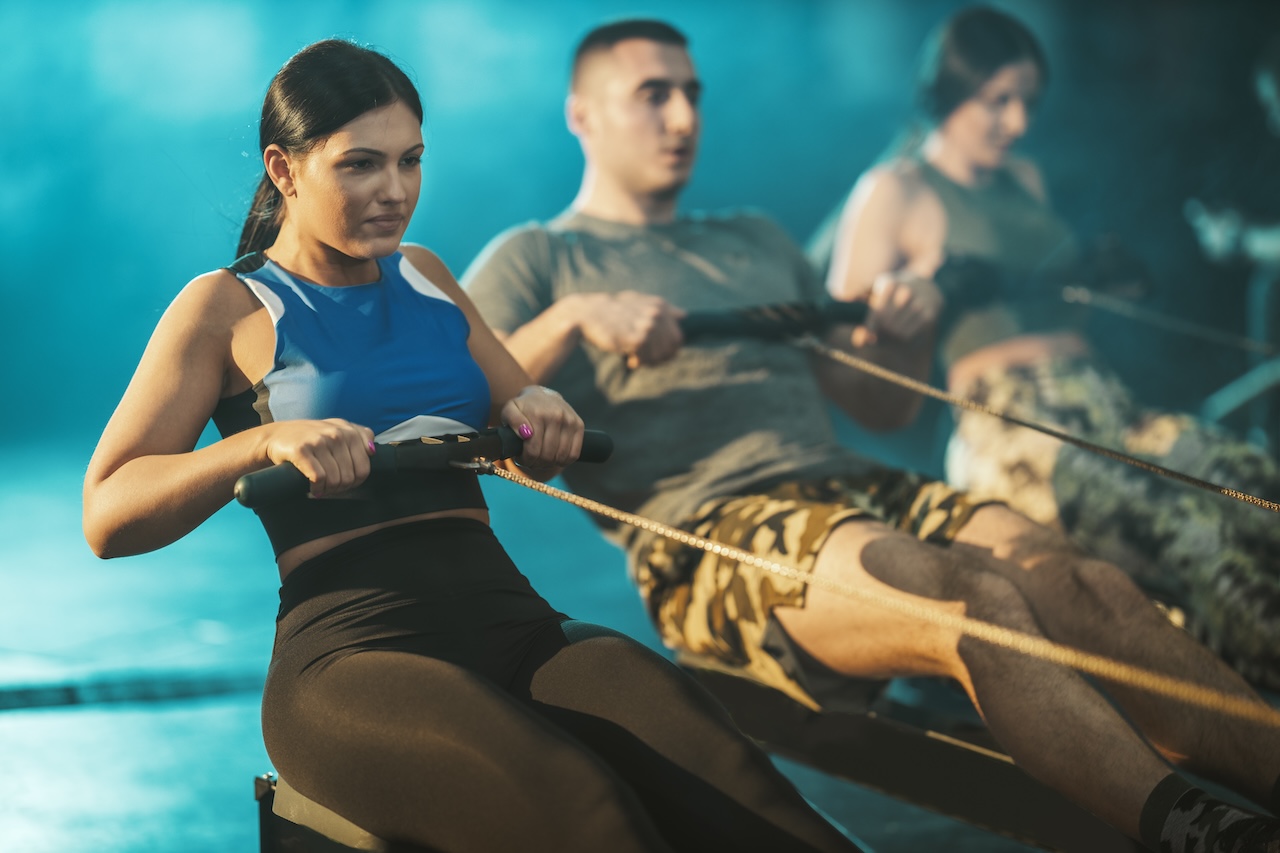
point(544, 343)
point(873, 402)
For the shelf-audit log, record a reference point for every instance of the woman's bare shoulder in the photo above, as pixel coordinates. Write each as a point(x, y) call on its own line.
point(215, 298)
point(897, 184)
point(429, 264)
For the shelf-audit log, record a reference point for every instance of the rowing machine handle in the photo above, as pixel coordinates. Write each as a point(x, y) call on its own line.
point(772, 321)
point(284, 481)
point(597, 446)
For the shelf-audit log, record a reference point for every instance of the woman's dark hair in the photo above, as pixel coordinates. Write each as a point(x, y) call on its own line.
point(321, 88)
point(965, 52)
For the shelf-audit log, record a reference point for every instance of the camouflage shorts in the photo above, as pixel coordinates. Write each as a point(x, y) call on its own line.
point(718, 608)
point(1217, 559)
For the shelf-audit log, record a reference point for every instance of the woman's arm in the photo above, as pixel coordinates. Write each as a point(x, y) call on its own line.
point(556, 437)
point(145, 486)
point(880, 258)
point(869, 236)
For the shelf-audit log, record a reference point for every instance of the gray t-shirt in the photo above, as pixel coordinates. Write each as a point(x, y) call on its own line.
point(724, 416)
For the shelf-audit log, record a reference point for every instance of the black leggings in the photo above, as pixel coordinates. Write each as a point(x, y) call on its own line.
point(422, 689)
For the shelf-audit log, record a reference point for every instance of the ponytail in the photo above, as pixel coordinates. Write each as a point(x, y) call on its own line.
point(262, 224)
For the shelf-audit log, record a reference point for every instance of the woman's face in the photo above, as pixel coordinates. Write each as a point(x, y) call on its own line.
point(356, 192)
point(985, 127)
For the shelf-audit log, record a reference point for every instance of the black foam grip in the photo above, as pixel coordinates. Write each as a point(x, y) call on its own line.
point(783, 320)
point(271, 485)
point(283, 482)
point(597, 446)
point(845, 313)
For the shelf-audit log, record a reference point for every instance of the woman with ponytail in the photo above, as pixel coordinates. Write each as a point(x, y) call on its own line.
point(957, 228)
point(419, 687)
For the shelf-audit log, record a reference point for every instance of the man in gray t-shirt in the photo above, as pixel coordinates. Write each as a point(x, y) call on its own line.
point(768, 423)
point(729, 439)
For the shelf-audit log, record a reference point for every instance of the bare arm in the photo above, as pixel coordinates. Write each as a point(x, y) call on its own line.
point(644, 328)
point(517, 399)
point(542, 345)
point(145, 486)
point(874, 261)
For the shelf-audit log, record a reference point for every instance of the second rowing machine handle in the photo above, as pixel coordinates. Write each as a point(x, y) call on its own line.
point(773, 321)
point(284, 481)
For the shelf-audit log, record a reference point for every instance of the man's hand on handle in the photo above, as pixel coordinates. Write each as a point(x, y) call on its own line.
point(644, 328)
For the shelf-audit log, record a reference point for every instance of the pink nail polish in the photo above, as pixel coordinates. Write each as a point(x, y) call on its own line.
point(525, 431)
point(373, 448)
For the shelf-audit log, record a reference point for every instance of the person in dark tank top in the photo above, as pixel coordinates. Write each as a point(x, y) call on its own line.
point(955, 196)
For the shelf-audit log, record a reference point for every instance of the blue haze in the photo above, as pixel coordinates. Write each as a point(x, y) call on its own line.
point(127, 159)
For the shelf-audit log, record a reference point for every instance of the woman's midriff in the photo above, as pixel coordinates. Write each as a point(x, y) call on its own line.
point(1011, 352)
point(299, 554)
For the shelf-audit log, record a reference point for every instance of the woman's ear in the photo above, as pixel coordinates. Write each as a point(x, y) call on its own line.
point(279, 166)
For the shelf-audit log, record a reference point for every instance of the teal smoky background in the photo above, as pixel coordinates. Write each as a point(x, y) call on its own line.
point(131, 143)
point(128, 689)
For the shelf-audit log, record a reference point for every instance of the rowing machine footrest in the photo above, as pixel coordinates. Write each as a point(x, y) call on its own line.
point(290, 822)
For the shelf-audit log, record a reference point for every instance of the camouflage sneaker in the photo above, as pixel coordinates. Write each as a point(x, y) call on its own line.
point(1200, 824)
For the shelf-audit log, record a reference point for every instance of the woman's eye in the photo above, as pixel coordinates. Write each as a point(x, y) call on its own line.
point(360, 164)
point(411, 161)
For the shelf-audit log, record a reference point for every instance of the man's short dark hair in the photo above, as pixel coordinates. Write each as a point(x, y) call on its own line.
point(605, 36)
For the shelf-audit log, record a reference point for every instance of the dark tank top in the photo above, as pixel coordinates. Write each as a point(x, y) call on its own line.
point(1001, 223)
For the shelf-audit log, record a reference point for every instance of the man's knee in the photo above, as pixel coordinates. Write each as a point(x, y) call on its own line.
point(1107, 591)
point(991, 597)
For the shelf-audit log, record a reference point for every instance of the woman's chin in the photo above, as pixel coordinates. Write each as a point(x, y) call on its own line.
point(376, 247)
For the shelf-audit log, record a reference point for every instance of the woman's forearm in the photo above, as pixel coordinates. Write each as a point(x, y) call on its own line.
point(152, 501)
point(873, 402)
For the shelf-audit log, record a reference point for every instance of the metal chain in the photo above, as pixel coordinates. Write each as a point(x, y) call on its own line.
point(810, 342)
point(1037, 647)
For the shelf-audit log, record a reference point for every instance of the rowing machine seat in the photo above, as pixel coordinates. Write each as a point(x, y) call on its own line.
point(289, 822)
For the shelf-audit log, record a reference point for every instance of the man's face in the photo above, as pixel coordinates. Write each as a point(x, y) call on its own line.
point(635, 108)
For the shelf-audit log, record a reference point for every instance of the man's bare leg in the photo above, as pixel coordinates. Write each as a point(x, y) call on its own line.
point(1054, 725)
point(1092, 605)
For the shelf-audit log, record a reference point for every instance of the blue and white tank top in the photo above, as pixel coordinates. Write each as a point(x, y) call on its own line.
point(391, 355)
